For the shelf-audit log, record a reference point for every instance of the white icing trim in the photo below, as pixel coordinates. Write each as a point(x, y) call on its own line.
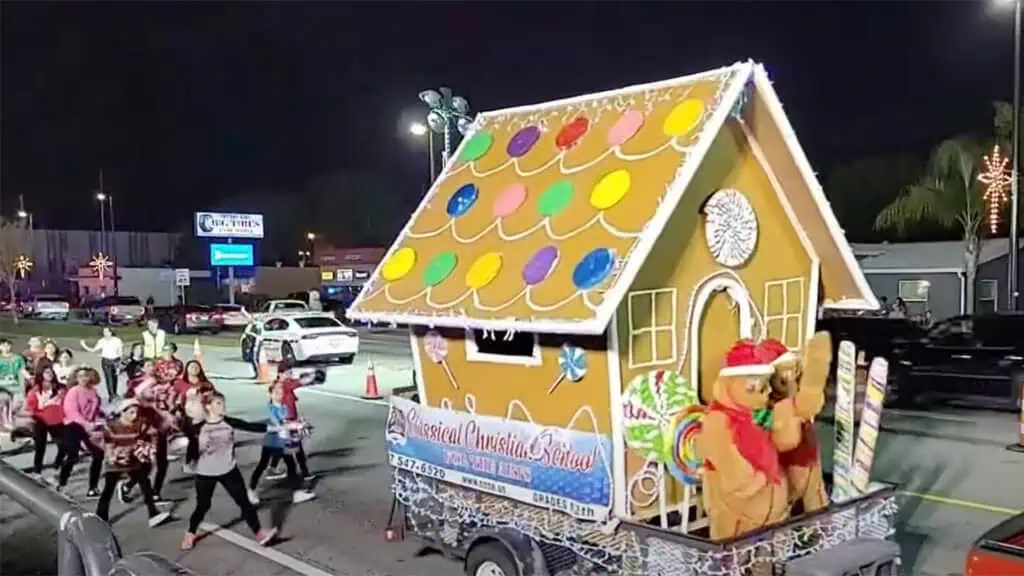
point(473, 353)
point(913, 270)
point(751, 370)
point(764, 87)
point(654, 328)
point(421, 379)
point(813, 307)
point(619, 507)
point(785, 358)
point(641, 249)
point(849, 304)
point(740, 297)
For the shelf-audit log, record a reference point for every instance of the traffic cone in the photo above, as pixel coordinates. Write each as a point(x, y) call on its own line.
point(371, 392)
point(197, 352)
point(264, 373)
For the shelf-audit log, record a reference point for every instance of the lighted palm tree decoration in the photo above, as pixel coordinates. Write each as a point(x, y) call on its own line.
point(948, 195)
point(446, 111)
point(997, 180)
point(101, 265)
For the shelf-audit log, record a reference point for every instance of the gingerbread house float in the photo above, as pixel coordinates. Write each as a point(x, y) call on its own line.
point(569, 247)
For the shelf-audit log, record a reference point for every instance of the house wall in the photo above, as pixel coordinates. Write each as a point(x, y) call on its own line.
point(780, 269)
point(943, 292)
point(998, 270)
point(58, 253)
point(519, 392)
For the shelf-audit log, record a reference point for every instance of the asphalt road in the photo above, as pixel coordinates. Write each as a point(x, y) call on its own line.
point(956, 478)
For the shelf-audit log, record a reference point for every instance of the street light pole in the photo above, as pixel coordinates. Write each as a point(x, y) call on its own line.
point(113, 244)
point(446, 110)
point(1015, 169)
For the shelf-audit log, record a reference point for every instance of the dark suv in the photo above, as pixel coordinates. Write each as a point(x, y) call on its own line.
point(963, 357)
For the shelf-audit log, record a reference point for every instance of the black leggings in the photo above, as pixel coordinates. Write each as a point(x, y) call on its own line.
point(110, 369)
point(75, 439)
point(138, 476)
point(235, 486)
point(300, 458)
point(161, 465)
point(293, 480)
point(40, 434)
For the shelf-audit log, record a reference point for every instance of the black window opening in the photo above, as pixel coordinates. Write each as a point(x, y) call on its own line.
point(499, 343)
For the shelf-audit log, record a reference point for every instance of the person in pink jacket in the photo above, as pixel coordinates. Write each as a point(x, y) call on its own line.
point(82, 421)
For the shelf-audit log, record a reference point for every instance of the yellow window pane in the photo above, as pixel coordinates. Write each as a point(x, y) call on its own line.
point(794, 335)
point(640, 311)
point(643, 344)
point(663, 343)
point(664, 301)
point(794, 297)
point(774, 293)
point(775, 328)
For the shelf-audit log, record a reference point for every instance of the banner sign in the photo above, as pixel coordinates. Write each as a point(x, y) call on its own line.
point(220, 225)
point(231, 255)
point(556, 468)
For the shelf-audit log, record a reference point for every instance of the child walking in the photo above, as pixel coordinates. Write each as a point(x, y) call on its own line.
point(213, 459)
point(292, 382)
point(13, 372)
point(45, 405)
point(129, 452)
point(156, 402)
point(282, 438)
point(82, 419)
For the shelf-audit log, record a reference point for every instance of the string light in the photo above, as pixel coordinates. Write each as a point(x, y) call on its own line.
point(100, 264)
point(997, 180)
point(23, 265)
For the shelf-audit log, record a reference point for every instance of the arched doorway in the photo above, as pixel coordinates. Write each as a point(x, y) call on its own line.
point(721, 315)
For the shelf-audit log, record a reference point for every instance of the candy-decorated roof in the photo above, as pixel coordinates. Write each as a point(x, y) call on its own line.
point(545, 214)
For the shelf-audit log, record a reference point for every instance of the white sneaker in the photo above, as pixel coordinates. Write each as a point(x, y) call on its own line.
point(300, 496)
point(276, 475)
point(159, 519)
point(254, 498)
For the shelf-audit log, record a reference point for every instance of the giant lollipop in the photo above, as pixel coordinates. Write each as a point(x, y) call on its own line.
point(650, 403)
point(685, 463)
point(572, 362)
point(437, 349)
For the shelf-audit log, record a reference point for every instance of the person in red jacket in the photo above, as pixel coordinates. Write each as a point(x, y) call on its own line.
point(155, 397)
point(168, 367)
point(45, 404)
point(290, 382)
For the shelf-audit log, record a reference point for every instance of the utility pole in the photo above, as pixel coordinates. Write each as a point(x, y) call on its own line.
point(1016, 175)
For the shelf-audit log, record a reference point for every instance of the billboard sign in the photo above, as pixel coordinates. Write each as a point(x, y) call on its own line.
point(222, 225)
point(231, 255)
point(568, 470)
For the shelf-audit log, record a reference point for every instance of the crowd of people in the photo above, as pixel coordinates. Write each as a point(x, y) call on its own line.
point(128, 439)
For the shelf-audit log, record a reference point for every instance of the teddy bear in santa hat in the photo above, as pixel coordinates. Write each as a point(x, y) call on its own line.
point(798, 394)
point(744, 486)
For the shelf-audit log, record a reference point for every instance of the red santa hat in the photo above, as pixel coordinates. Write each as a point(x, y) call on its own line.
point(775, 352)
point(745, 359)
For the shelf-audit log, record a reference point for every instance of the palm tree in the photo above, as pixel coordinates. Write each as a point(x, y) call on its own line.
point(948, 195)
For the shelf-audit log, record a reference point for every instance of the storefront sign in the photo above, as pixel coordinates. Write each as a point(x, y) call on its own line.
point(219, 225)
point(231, 255)
point(345, 275)
point(566, 470)
point(326, 276)
point(362, 275)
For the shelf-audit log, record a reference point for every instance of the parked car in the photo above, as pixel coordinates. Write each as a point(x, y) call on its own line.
point(189, 318)
point(47, 307)
point(301, 337)
point(964, 357)
point(998, 552)
point(875, 335)
point(117, 310)
point(235, 316)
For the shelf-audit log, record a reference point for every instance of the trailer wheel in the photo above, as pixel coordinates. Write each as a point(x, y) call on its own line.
point(491, 559)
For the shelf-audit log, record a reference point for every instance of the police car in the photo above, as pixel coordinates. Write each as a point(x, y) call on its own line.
point(300, 337)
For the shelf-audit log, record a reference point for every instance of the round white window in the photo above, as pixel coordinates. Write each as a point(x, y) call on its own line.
point(730, 228)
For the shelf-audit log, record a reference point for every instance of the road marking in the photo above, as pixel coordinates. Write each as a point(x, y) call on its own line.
point(342, 396)
point(289, 562)
point(961, 503)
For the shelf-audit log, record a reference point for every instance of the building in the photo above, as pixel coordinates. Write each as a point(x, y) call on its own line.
point(344, 271)
point(931, 275)
point(639, 229)
point(57, 254)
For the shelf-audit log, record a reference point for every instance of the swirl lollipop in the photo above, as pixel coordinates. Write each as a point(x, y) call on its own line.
point(437, 349)
point(572, 361)
point(684, 463)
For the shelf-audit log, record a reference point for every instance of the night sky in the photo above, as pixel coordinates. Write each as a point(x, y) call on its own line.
point(186, 105)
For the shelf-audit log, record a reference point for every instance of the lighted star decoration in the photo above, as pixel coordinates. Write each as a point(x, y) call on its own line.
point(996, 177)
point(101, 265)
point(22, 265)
